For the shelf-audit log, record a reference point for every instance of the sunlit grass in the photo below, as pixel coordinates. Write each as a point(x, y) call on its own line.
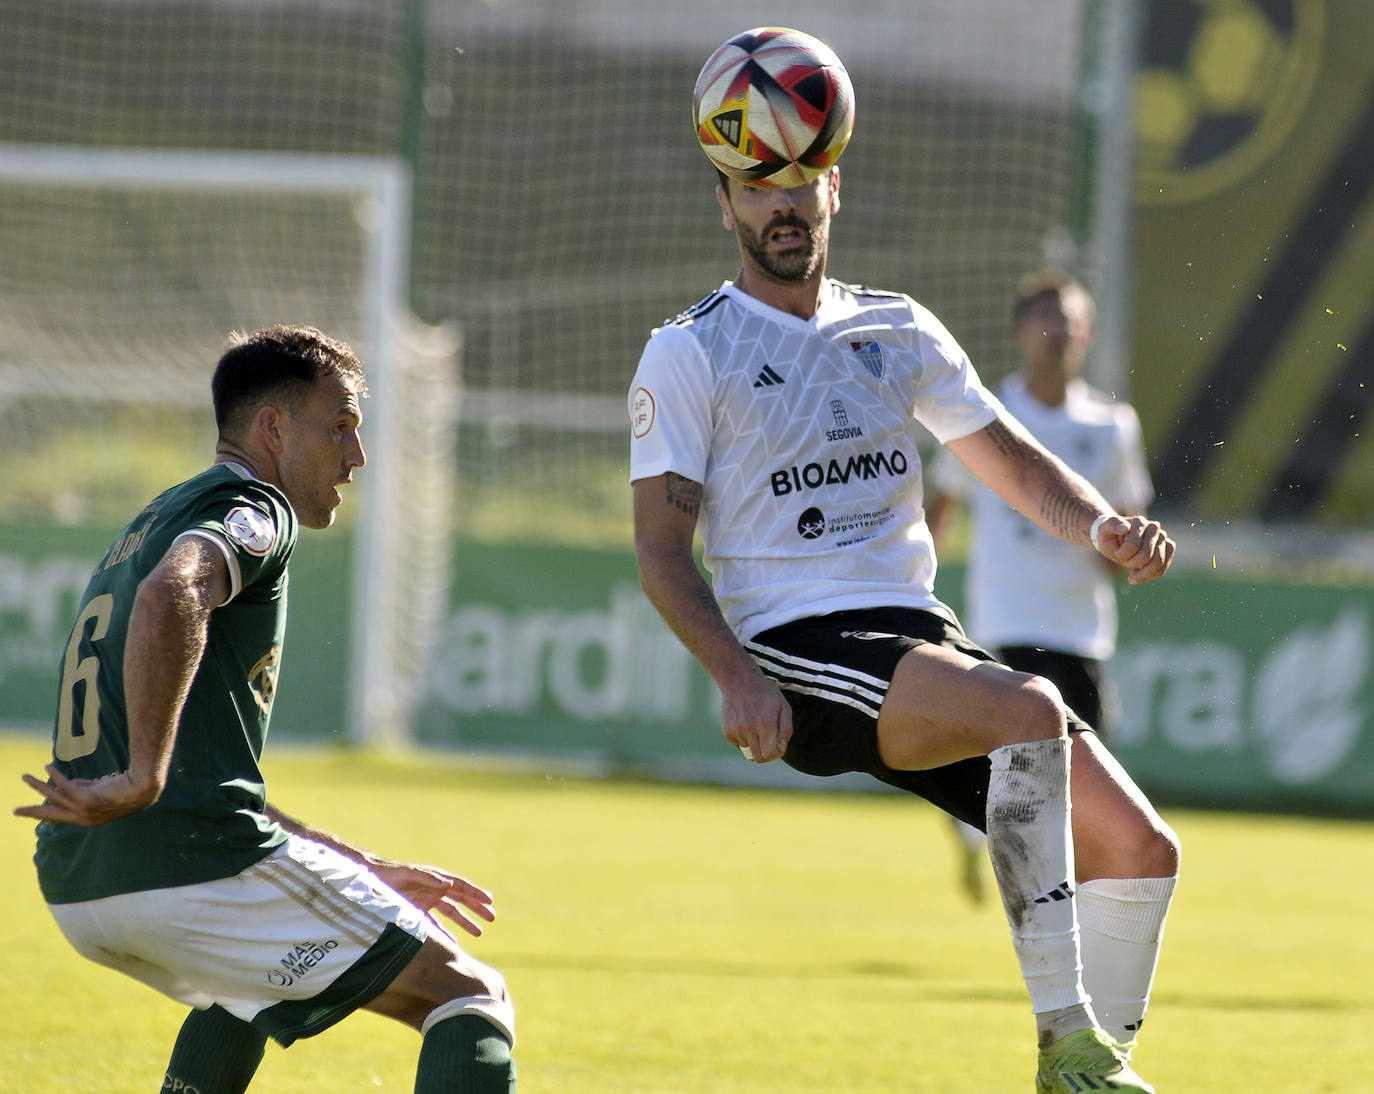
point(686, 940)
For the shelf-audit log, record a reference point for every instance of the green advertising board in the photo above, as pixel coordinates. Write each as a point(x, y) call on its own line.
point(44, 568)
point(1257, 694)
point(556, 648)
point(1237, 692)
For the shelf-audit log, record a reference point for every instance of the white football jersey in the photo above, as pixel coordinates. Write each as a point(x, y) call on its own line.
point(800, 431)
point(1055, 594)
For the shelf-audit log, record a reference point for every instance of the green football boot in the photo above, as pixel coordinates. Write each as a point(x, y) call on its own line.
point(1124, 1049)
point(1086, 1061)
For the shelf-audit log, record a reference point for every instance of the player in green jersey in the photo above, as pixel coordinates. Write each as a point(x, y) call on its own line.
point(158, 854)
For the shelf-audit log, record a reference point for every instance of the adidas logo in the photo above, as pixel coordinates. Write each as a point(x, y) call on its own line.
point(1062, 891)
point(768, 378)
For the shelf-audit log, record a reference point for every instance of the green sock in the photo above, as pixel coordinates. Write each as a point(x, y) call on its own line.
point(215, 1053)
point(465, 1054)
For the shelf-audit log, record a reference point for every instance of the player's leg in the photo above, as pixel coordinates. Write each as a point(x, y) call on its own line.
point(944, 705)
point(1128, 863)
point(409, 969)
point(1082, 686)
point(904, 696)
point(936, 691)
point(137, 934)
point(212, 943)
point(463, 1012)
point(1079, 679)
point(465, 1053)
point(941, 704)
point(215, 1053)
point(401, 964)
point(1126, 855)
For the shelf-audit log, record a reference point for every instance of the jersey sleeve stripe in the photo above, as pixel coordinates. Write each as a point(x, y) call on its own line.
point(696, 311)
point(235, 574)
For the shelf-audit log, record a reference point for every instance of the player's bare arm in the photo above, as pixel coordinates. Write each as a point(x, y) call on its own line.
point(167, 634)
point(754, 715)
point(683, 494)
point(1039, 485)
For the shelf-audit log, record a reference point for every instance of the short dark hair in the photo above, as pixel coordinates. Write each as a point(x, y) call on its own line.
point(276, 363)
point(1043, 283)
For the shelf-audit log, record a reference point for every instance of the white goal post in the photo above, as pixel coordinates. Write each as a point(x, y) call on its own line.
point(375, 705)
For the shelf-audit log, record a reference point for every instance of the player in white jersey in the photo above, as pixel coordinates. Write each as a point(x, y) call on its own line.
point(1060, 599)
point(775, 415)
point(1055, 613)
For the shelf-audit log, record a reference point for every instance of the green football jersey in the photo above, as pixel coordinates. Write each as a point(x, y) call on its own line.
point(209, 822)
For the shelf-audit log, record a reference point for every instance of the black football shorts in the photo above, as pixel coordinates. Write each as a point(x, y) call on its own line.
point(834, 670)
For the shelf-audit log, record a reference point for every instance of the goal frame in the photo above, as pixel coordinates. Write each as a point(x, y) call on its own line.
point(373, 712)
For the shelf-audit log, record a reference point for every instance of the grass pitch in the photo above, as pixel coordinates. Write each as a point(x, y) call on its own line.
point(681, 940)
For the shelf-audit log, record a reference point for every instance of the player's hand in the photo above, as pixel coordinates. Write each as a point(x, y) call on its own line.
point(86, 802)
point(756, 719)
point(434, 891)
point(1137, 543)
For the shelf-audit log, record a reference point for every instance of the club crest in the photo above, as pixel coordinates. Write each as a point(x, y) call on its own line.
point(870, 355)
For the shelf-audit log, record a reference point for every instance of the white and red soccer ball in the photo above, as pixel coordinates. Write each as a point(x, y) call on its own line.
point(773, 107)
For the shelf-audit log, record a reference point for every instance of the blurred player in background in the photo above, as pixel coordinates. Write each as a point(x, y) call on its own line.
point(158, 854)
point(774, 415)
point(1053, 612)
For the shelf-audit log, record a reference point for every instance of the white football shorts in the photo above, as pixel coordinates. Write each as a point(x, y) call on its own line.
point(305, 923)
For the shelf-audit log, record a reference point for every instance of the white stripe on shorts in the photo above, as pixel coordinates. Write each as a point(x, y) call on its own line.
point(310, 892)
point(837, 683)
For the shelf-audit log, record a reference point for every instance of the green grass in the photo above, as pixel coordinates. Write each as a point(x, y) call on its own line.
point(680, 940)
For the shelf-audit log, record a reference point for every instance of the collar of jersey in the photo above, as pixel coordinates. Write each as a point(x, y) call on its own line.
point(753, 303)
point(239, 470)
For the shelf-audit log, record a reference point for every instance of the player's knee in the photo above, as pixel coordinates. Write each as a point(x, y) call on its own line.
point(1160, 853)
point(493, 1005)
point(1145, 848)
point(1037, 708)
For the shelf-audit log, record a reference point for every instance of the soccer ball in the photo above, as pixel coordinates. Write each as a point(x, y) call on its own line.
point(773, 107)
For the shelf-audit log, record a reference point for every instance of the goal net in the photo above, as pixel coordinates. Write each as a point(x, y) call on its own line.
point(568, 210)
point(125, 271)
point(252, 157)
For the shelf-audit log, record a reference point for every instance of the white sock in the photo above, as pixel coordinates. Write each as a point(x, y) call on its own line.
point(1031, 846)
point(1121, 926)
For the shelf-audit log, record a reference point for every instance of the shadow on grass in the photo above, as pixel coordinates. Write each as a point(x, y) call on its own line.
point(754, 970)
point(937, 986)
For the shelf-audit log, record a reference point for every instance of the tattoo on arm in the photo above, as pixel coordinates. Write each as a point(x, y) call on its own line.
point(1005, 440)
point(684, 494)
point(1063, 513)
